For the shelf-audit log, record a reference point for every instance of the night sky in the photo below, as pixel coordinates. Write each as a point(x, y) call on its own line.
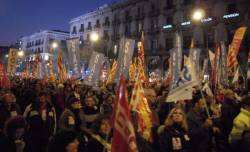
point(24, 17)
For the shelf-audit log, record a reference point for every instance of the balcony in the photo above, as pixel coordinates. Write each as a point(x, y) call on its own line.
point(116, 22)
point(106, 24)
point(153, 31)
point(89, 28)
point(140, 16)
point(115, 37)
point(154, 13)
point(97, 26)
point(81, 30)
point(127, 19)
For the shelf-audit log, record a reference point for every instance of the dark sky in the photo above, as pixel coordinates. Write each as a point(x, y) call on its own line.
point(24, 17)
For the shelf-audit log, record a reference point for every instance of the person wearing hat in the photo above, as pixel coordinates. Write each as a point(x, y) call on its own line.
point(70, 118)
point(241, 123)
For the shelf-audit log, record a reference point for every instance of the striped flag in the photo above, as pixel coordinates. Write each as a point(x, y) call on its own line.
point(132, 71)
point(139, 104)
point(51, 73)
point(234, 48)
point(61, 67)
point(124, 139)
point(35, 69)
point(112, 72)
point(141, 59)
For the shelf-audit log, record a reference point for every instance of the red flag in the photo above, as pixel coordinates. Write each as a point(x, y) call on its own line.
point(4, 81)
point(124, 139)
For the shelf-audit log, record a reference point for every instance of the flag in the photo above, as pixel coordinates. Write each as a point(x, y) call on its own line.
point(35, 65)
point(223, 65)
point(60, 66)
point(236, 76)
point(139, 104)
point(208, 90)
point(11, 69)
point(141, 59)
point(234, 48)
point(4, 81)
point(216, 66)
point(211, 58)
point(132, 71)
point(112, 72)
point(124, 139)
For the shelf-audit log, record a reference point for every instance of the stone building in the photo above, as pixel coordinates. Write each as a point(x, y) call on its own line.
point(159, 19)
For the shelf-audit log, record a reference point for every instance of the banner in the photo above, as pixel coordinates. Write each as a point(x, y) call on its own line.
point(124, 139)
point(223, 75)
point(126, 50)
point(74, 56)
point(234, 48)
point(94, 67)
point(184, 86)
point(141, 62)
point(194, 57)
point(11, 69)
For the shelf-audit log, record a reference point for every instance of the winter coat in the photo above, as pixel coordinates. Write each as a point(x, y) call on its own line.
point(200, 137)
point(70, 121)
point(174, 139)
point(241, 123)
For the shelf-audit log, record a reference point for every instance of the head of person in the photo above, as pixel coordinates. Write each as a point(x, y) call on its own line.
point(199, 102)
point(64, 141)
point(15, 127)
point(43, 97)
point(90, 101)
point(73, 103)
point(229, 95)
point(102, 125)
point(8, 98)
point(246, 103)
point(177, 117)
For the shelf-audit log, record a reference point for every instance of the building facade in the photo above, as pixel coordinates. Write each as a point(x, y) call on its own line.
point(159, 19)
point(42, 42)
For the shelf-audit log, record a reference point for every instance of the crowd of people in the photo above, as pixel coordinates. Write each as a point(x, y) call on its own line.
point(45, 116)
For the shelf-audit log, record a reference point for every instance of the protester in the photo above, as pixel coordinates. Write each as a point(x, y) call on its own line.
point(11, 140)
point(70, 119)
point(100, 140)
point(64, 141)
point(41, 118)
point(241, 124)
point(174, 133)
point(8, 108)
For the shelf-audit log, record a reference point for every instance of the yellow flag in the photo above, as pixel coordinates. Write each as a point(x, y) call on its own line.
point(132, 72)
point(111, 74)
point(139, 104)
point(141, 71)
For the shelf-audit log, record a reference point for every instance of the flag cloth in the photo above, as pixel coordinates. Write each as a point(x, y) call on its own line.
point(61, 68)
point(141, 59)
point(35, 65)
point(112, 72)
point(236, 76)
point(4, 81)
point(132, 71)
point(124, 139)
point(139, 104)
point(223, 65)
point(216, 66)
point(11, 69)
point(208, 90)
point(234, 48)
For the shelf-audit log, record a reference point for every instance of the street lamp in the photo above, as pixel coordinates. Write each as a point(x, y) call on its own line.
point(6, 56)
point(94, 37)
point(198, 14)
point(20, 54)
point(54, 45)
